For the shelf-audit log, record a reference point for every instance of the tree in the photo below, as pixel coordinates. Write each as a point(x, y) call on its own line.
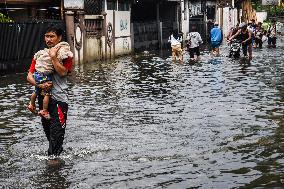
point(272, 11)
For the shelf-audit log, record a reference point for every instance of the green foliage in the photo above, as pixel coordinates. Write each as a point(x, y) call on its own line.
point(265, 25)
point(4, 19)
point(276, 11)
point(272, 11)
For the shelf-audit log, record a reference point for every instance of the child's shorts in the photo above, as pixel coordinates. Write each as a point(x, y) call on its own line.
point(39, 79)
point(177, 50)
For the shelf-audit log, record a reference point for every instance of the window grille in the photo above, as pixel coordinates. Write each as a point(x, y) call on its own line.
point(94, 27)
point(111, 4)
point(123, 5)
point(93, 7)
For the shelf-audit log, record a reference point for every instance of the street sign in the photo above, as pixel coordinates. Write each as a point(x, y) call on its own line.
point(270, 2)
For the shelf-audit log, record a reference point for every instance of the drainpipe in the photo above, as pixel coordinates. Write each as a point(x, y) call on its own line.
point(83, 33)
point(105, 33)
point(159, 25)
point(204, 5)
point(62, 10)
point(179, 17)
point(113, 34)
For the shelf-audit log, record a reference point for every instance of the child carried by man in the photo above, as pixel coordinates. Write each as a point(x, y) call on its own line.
point(43, 74)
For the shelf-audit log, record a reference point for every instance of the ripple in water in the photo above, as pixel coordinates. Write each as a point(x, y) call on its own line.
point(145, 122)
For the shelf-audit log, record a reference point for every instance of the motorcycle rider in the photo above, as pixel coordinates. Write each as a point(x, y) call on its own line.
point(232, 31)
point(245, 37)
point(235, 44)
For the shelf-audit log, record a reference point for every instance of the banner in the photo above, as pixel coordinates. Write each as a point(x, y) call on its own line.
point(74, 4)
point(270, 2)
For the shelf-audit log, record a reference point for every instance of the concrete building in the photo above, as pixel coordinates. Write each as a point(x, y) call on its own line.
point(104, 29)
point(107, 31)
point(200, 13)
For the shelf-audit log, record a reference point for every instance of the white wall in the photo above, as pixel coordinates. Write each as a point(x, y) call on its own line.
point(122, 32)
point(120, 21)
point(94, 50)
point(261, 16)
point(230, 19)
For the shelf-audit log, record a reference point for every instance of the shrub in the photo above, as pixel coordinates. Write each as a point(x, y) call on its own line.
point(4, 19)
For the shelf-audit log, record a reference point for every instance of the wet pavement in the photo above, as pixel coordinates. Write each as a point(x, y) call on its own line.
point(145, 122)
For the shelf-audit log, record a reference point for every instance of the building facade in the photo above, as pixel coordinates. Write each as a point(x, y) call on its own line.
point(104, 29)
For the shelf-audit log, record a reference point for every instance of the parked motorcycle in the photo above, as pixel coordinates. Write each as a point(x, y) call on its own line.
point(235, 48)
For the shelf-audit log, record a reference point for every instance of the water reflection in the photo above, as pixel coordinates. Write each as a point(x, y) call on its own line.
point(53, 176)
point(144, 122)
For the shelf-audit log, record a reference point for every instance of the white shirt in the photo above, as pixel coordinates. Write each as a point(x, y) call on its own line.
point(194, 39)
point(175, 41)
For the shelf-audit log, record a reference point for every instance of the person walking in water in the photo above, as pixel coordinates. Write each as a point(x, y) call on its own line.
point(258, 33)
point(193, 41)
point(246, 38)
point(175, 39)
point(54, 127)
point(216, 38)
point(272, 34)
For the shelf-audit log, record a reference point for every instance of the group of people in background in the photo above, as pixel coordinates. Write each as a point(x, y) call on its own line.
point(250, 36)
point(253, 35)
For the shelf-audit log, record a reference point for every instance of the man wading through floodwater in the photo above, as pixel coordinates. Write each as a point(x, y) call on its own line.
point(54, 127)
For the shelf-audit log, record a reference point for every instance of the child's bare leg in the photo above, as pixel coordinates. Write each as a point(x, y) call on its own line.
point(181, 58)
point(173, 56)
point(45, 102)
point(33, 99)
point(32, 106)
point(44, 112)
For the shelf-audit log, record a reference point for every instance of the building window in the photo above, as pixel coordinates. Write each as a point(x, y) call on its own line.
point(111, 4)
point(123, 5)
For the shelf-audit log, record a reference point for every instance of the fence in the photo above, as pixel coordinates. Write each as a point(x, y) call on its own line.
point(19, 42)
point(146, 35)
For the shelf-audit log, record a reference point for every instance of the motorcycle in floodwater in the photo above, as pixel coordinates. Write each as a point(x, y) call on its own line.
point(235, 48)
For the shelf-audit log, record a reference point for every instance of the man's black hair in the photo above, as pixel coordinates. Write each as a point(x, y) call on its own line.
point(56, 29)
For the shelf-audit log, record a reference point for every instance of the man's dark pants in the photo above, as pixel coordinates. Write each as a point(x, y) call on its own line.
point(55, 128)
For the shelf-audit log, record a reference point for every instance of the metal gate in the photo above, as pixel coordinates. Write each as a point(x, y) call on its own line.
point(145, 36)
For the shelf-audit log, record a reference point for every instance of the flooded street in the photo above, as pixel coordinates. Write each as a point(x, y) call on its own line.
point(145, 122)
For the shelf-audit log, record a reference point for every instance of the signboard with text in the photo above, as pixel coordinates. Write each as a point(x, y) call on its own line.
point(270, 2)
point(74, 4)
